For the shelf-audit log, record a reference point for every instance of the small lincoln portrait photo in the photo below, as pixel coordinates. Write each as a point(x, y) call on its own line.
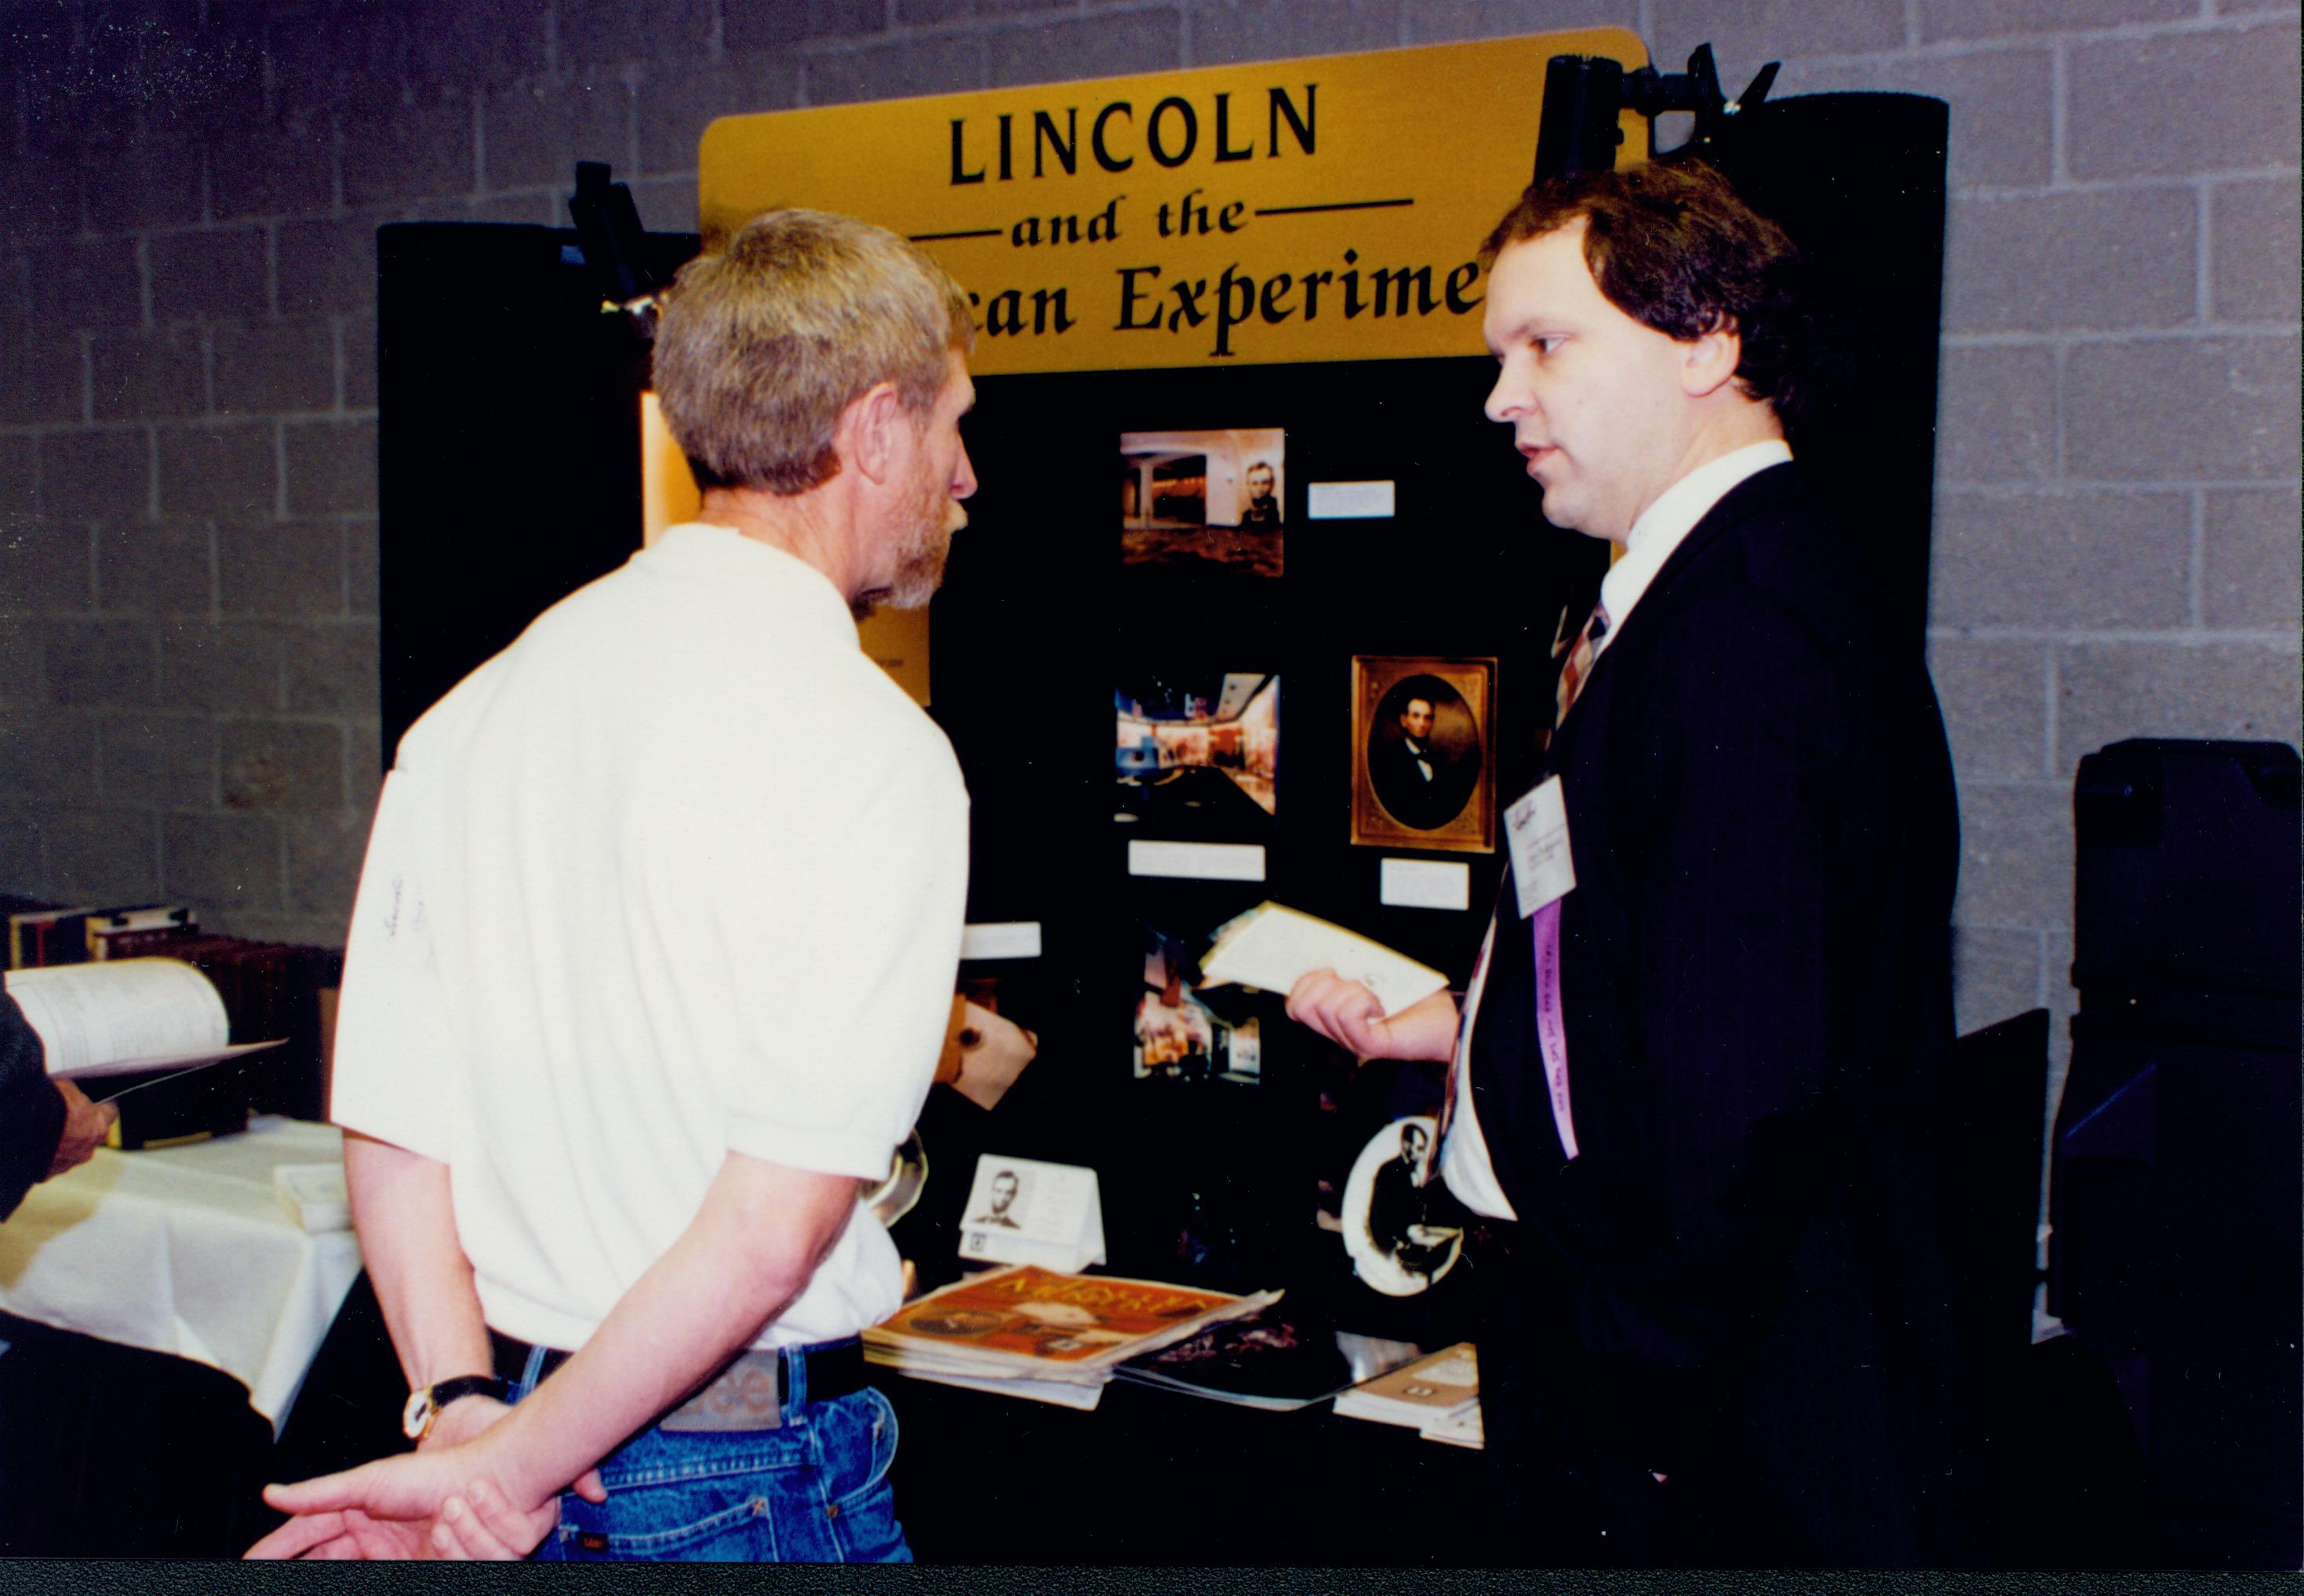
point(1002, 1209)
point(1422, 776)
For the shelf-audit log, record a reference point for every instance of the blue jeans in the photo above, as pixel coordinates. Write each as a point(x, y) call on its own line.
point(815, 1490)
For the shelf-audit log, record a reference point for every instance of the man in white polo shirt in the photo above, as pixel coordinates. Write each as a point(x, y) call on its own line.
point(648, 972)
point(1697, 1070)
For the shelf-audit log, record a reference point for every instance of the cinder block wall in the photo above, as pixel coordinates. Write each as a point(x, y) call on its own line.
point(188, 190)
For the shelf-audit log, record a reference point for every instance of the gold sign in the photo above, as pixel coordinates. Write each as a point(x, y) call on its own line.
point(1320, 209)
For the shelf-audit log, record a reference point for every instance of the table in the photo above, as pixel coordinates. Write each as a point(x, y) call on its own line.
point(187, 1251)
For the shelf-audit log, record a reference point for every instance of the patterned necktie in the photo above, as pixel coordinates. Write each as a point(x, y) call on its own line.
point(1574, 671)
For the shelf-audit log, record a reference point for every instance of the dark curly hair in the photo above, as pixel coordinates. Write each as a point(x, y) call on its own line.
point(1670, 245)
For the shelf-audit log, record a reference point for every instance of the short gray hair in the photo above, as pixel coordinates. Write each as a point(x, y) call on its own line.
point(763, 345)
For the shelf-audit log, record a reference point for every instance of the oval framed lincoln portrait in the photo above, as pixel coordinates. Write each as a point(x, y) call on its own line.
point(1424, 752)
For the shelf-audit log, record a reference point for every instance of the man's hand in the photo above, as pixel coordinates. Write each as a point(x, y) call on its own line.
point(85, 1125)
point(1347, 1014)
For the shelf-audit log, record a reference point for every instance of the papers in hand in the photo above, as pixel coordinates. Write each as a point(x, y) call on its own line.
point(125, 1017)
point(1274, 946)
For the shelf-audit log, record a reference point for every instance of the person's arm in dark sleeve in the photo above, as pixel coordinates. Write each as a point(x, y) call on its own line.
point(32, 1109)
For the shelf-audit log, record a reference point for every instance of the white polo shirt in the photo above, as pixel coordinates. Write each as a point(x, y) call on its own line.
point(1662, 528)
point(681, 872)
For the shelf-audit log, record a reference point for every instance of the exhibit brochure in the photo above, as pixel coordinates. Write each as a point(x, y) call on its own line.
point(1034, 1333)
point(1023, 1210)
point(126, 1017)
point(1273, 947)
point(1439, 1397)
point(1272, 1361)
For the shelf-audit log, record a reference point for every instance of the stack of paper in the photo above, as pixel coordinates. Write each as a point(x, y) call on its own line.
point(1272, 947)
point(1033, 1332)
point(1439, 1396)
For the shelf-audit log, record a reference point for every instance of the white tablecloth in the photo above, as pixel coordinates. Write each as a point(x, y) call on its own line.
point(188, 1250)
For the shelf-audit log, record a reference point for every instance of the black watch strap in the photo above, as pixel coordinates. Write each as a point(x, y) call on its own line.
point(424, 1404)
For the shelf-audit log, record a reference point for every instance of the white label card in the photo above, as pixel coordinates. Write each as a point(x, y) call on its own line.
point(1537, 828)
point(1424, 883)
point(1000, 939)
point(1022, 1210)
point(1348, 501)
point(1198, 861)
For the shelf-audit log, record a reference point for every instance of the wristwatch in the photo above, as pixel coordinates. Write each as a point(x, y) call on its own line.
point(425, 1403)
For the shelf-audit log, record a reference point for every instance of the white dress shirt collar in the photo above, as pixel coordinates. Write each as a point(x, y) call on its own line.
point(1663, 524)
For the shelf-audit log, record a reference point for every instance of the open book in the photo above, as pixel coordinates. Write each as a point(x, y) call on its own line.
point(126, 1017)
point(1273, 947)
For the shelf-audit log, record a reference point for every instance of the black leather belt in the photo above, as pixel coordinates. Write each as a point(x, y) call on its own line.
point(748, 1394)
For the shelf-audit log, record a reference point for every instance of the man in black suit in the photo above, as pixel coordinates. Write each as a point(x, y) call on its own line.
point(1701, 1059)
point(47, 1126)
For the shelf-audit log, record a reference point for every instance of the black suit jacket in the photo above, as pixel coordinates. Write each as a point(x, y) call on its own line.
point(1735, 1283)
point(31, 1110)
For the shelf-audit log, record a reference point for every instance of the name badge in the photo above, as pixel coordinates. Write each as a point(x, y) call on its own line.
point(1537, 828)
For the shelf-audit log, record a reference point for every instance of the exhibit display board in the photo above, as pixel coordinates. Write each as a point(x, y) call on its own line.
point(1322, 209)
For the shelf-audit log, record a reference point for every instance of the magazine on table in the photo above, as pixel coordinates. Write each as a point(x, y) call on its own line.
point(1443, 1386)
point(1274, 1362)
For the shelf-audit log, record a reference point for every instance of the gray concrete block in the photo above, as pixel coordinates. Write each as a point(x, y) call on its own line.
point(2253, 251)
point(143, 376)
point(227, 668)
point(356, 347)
point(409, 152)
point(220, 272)
point(222, 862)
point(282, 766)
point(1743, 36)
point(273, 169)
point(2249, 570)
point(680, 102)
point(2115, 690)
point(23, 680)
point(324, 58)
point(363, 761)
point(19, 484)
point(328, 266)
point(45, 565)
point(932, 64)
point(325, 853)
point(101, 664)
point(97, 476)
point(2181, 408)
point(168, 569)
point(1994, 697)
point(101, 855)
point(1275, 31)
point(533, 134)
point(130, 184)
point(165, 760)
point(1996, 415)
point(1443, 22)
point(89, 282)
point(1943, 19)
point(331, 467)
point(47, 753)
point(24, 859)
point(756, 24)
point(200, 78)
point(43, 197)
point(476, 43)
point(595, 33)
point(2180, 104)
point(335, 670)
point(2060, 559)
point(548, 209)
point(1996, 976)
point(360, 568)
point(2116, 258)
point(42, 378)
point(667, 204)
point(229, 470)
point(2002, 129)
point(1099, 46)
point(2016, 856)
point(293, 572)
point(262, 367)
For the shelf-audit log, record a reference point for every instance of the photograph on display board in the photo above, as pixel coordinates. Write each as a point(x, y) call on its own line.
point(1402, 1231)
point(1179, 1034)
point(1424, 752)
point(1198, 746)
point(1211, 497)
